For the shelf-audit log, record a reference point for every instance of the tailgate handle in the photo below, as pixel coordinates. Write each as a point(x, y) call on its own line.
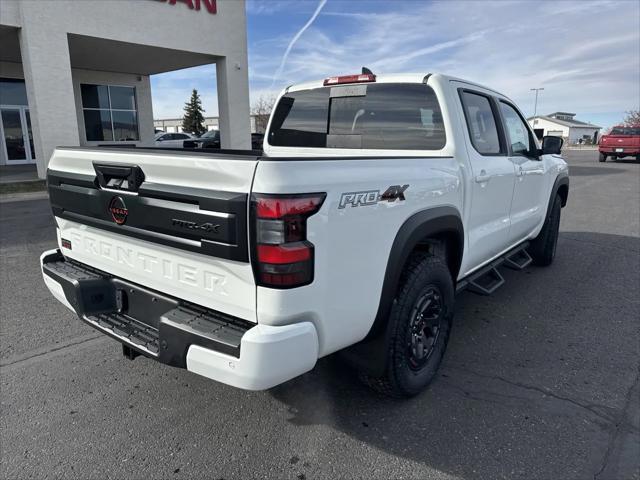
point(119, 177)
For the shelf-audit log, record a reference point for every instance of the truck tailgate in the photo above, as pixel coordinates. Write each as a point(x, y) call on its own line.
point(180, 228)
point(621, 141)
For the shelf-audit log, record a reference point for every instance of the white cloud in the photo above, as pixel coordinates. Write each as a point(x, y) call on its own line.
point(296, 37)
point(585, 65)
point(270, 7)
point(585, 54)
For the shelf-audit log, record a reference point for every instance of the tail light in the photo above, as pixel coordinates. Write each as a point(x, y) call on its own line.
point(283, 255)
point(361, 78)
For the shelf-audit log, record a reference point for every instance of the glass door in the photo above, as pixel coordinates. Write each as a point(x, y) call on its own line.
point(17, 139)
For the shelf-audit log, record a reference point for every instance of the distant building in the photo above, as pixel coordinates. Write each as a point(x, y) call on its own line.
point(174, 125)
point(563, 124)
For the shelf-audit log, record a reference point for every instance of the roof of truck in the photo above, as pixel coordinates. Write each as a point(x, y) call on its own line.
point(393, 78)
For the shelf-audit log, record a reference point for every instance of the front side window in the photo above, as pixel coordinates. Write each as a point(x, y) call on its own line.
point(110, 113)
point(481, 123)
point(389, 116)
point(517, 131)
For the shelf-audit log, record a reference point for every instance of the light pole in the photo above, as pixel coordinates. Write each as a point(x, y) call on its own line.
point(535, 106)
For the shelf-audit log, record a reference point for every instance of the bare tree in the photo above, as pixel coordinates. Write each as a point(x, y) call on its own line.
point(633, 118)
point(261, 110)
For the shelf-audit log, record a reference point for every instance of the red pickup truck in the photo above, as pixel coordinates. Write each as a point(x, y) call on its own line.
point(620, 142)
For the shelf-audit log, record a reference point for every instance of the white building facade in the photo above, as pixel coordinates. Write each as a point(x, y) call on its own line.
point(563, 124)
point(78, 72)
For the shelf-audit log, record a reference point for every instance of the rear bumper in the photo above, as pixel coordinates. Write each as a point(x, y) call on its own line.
point(220, 347)
point(625, 150)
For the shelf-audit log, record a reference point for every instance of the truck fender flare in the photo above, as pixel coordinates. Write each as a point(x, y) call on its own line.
point(423, 224)
point(561, 185)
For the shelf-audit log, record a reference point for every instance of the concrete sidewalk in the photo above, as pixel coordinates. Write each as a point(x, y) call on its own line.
point(18, 173)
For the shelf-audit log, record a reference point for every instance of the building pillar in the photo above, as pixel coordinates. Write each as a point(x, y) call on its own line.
point(233, 104)
point(48, 79)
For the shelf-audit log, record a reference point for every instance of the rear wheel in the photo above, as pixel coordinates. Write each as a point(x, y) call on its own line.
point(419, 327)
point(602, 157)
point(543, 248)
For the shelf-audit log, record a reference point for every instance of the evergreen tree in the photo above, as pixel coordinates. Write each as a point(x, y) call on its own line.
point(193, 120)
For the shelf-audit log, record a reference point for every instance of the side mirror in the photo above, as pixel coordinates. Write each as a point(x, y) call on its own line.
point(160, 139)
point(551, 145)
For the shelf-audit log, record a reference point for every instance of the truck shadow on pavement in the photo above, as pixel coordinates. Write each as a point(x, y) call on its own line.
point(535, 382)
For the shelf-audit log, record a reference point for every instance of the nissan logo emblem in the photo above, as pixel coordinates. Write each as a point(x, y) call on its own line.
point(118, 210)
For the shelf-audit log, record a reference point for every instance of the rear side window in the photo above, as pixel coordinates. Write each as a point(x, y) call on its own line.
point(481, 122)
point(373, 116)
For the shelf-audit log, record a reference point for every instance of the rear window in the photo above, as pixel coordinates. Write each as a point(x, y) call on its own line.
point(388, 116)
point(625, 131)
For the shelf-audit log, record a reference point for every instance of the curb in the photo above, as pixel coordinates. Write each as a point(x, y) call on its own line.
point(24, 196)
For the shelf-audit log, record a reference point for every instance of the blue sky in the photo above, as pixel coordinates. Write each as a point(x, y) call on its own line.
point(585, 54)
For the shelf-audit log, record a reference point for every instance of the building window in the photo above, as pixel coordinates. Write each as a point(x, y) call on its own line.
point(12, 92)
point(110, 113)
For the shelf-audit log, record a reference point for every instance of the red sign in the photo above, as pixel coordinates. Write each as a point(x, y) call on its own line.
point(210, 5)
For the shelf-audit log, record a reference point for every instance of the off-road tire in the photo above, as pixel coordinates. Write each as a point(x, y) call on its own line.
point(543, 248)
point(423, 274)
point(602, 157)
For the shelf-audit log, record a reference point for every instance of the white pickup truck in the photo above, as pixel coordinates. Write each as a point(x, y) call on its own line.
point(376, 200)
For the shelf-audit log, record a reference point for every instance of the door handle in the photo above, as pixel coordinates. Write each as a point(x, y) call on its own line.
point(483, 177)
point(520, 172)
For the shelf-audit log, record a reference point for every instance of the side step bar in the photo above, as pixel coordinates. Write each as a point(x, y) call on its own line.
point(486, 282)
point(518, 260)
point(488, 279)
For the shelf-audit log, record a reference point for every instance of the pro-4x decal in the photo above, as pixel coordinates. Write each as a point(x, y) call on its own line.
point(371, 197)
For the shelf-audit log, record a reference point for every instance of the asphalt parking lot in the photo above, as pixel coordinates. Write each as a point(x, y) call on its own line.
point(540, 380)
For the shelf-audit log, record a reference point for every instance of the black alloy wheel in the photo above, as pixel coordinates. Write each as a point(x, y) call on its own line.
point(424, 327)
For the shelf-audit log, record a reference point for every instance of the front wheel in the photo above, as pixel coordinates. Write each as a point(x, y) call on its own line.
point(602, 157)
point(418, 329)
point(543, 248)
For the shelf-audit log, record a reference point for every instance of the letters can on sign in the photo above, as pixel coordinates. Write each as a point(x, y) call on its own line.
point(210, 5)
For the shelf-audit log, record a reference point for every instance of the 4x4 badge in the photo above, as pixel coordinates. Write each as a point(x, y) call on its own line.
point(371, 197)
point(118, 210)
